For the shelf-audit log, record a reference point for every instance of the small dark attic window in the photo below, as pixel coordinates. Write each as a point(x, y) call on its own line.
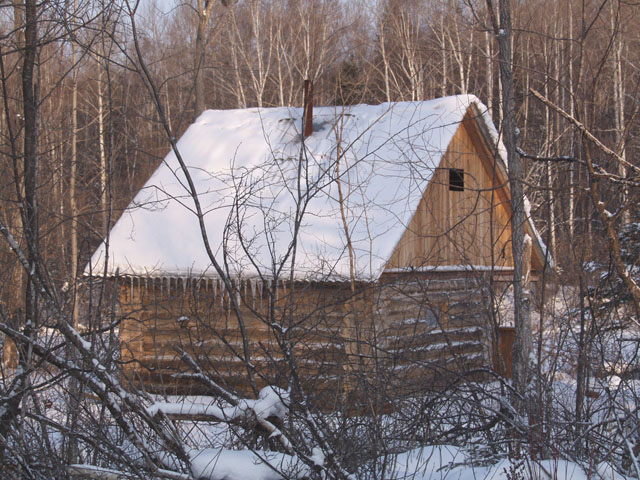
point(456, 180)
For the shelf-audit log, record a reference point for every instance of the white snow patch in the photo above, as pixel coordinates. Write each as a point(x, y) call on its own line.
point(317, 455)
point(271, 402)
point(222, 464)
point(186, 407)
point(442, 462)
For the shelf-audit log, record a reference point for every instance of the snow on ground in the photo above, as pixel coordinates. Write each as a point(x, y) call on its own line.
point(222, 464)
point(442, 462)
point(439, 462)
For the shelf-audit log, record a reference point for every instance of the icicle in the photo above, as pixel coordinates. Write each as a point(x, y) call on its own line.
point(277, 287)
point(244, 284)
point(146, 284)
point(161, 282)
point(222, 289)
point(131, 280)
point(214, 284)
point(184, 286)
point(168, 286)
point(238, 290)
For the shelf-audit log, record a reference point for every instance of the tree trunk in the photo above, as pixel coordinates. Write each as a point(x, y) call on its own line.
point(618, 102)
point(10, 412)
point(572, 168)
point(522, 343)
point(104, 209)
point(489, 77)
point(203, 10)
point(72, 183)
point(198, 86)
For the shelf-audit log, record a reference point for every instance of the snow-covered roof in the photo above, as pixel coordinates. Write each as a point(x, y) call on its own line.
point(254, 177)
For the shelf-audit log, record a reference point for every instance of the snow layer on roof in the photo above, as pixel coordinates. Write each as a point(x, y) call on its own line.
point(258, 182)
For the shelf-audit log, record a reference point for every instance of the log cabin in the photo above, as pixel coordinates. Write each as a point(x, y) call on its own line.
point(357, 248)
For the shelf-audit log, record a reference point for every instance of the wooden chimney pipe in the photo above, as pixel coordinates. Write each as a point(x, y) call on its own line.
point(307, 121)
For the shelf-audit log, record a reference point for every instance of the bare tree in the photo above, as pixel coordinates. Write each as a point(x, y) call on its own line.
point(502, 29)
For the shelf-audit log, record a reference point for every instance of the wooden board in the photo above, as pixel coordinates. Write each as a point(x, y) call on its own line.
point(469, 227)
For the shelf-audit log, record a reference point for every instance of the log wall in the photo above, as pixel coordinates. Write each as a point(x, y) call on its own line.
point(402, 334)
point(164, 317)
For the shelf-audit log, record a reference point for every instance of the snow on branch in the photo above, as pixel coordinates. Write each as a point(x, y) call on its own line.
point(540, 158)
point(271, 402)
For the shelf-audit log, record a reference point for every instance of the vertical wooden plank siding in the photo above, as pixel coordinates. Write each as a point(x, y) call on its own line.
point(469, 227)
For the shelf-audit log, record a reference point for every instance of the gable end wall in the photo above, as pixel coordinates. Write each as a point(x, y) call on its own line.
point(469, 227)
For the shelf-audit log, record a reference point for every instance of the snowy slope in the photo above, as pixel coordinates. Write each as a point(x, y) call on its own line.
point(254, 176)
